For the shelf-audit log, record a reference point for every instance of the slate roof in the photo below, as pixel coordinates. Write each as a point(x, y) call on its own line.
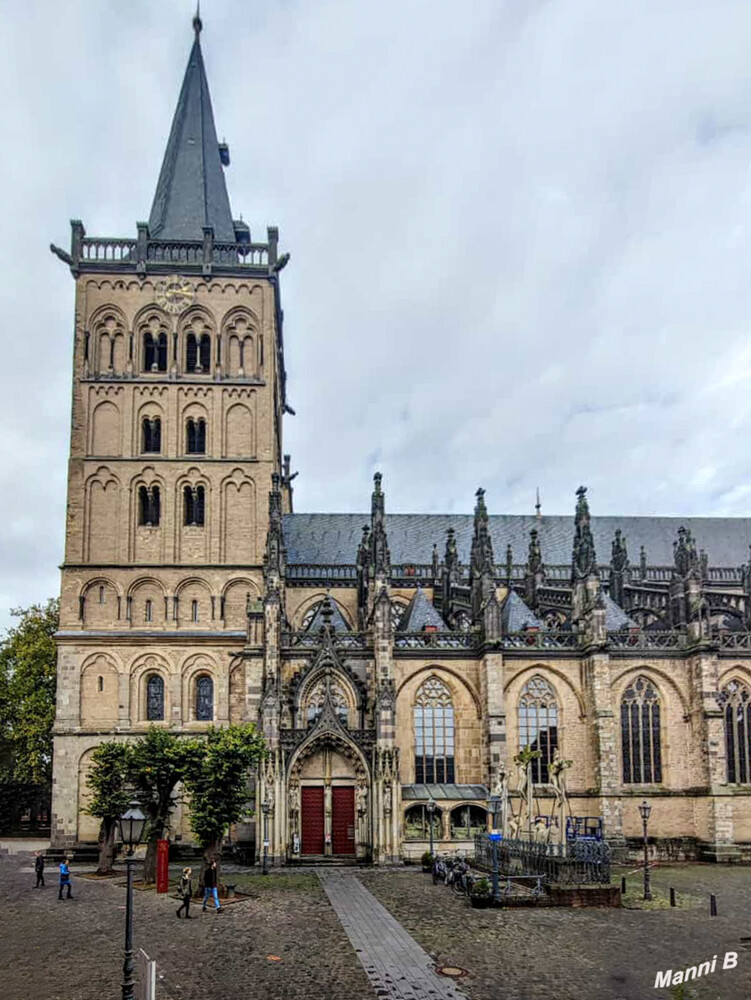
point(333, 538)
point(615, 617)
point(420, 612)
point(422, 793)
point(191, 192)
point(515, 615)
point(337, 619)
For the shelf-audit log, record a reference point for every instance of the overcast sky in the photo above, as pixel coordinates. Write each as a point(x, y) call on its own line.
point(519, 234)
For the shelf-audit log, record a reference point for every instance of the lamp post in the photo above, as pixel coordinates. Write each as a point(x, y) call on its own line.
point(644, 810)
point(131, 825)
point(266, 810)
point(431, 814)
point(495, 836)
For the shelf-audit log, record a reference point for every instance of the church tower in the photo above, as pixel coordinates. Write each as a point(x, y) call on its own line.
point(178, 399)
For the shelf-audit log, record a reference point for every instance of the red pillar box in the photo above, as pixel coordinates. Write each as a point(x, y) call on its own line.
point(162, 866)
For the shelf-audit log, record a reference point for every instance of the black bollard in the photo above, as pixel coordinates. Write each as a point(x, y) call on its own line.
point(672, 896)
point(712, 905)
point(623, 885)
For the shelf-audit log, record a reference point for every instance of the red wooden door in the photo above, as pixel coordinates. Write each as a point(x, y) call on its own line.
point(343, 819)
point(312, 820)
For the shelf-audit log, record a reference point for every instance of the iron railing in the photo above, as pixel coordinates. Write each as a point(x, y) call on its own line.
point(542, 639)
point(577, 862)
point(435, 640)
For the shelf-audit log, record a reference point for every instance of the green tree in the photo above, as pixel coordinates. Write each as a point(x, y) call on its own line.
point(217, 783)
point(27, 702)
point(157, 766)
point(110, 794)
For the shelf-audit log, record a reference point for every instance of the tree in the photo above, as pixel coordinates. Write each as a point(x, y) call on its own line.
point(217, 783)
point(27, 703)
point(157, 766)
point(110, 795)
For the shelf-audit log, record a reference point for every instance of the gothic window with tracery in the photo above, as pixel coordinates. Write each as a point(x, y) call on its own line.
point(640, 733)
point(154, 698)
point(316, 698)
point(736, 702)
point(434, 733)
point(204, 698)
point(538, 725)
point(397, 613)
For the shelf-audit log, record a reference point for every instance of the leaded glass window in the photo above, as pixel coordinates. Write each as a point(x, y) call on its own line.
point(640, 733)
point(397, 613)
point(538, 725)
point(204, 699)
point(434, 733)
point(154, 698)
point(736, 702)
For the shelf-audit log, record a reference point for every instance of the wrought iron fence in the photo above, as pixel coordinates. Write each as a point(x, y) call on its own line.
point(577, 862)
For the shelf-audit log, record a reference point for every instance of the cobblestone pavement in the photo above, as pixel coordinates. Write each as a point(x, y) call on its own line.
point(51, 950)
point(585, 954)
point(398, 968)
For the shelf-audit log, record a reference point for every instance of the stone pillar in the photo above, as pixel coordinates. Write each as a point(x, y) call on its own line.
point(495, 750)
point(604, 721)
point(708, 754)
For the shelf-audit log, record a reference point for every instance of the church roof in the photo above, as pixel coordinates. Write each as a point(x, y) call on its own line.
point(191, 192)
point(327, 539)
point(420, 612)
point(515, 615)
point(337, 619)
point(615, 617)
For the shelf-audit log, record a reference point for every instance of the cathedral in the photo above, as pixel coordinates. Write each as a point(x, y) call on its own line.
point(395, 663)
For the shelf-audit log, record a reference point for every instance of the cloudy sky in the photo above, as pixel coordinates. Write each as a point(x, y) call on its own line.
point(519, 233)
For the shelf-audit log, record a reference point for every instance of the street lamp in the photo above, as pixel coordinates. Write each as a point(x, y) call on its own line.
point(266, 806)
point(644, 810)
point(131, 825)
point(431, 813)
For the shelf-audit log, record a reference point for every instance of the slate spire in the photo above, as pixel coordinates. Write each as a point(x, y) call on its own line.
point(380, 557)
point(482, 563)
point(584, 559)
point(191, 193)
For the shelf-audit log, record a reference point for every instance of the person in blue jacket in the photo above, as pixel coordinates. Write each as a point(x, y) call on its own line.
point(64, 879)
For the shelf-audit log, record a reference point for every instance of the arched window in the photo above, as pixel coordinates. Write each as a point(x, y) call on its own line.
point(316, 698)
point(151, 435)
point(148, 611)
point(100, 683)
point(154, 698)
point(194, 611)
point(195, 436)
point(155, 352)
point(736, 702)
point(640, 733)
point(538, 725)
point(194, 505)
point(417, 824)
point(397, 613)
point(148, 505)
point(466, 821)
point(204, 699)
point(197, 353)
point(204, 352)
point(101, 595)
point(434, 733)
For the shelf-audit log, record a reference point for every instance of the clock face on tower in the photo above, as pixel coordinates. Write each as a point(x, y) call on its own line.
point(174, 294)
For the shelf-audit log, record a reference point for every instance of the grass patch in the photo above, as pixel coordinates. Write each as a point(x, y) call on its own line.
point(634, 900)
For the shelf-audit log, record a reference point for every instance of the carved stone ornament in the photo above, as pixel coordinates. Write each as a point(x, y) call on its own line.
point(174, 294)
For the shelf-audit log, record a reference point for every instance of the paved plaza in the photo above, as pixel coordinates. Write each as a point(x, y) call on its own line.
point(368, 934)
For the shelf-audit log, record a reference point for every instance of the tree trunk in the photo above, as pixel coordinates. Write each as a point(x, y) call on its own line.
point(107, 845)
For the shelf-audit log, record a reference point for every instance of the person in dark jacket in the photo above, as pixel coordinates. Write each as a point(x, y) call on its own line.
point(64, 879)
point(39, 869)
point(209, 887)
point(186, 891)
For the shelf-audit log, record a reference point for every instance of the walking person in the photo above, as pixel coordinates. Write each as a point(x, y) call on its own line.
point(186, 891)
point(39, 869)
point(65, 878)
point(209, 887)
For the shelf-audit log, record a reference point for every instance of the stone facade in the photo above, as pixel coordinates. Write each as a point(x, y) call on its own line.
point(382, 674)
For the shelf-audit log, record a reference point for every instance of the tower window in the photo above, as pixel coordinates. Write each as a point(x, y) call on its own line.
point(194, 505)
point(155, 352)
point(151, 435)
point(194, 611)
point(148, 611)
point(155, 698)
point(100, 684)
point(204, 699)
point(195, 436)
point(101, 595)
point(198, 353)
point(148, 506)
